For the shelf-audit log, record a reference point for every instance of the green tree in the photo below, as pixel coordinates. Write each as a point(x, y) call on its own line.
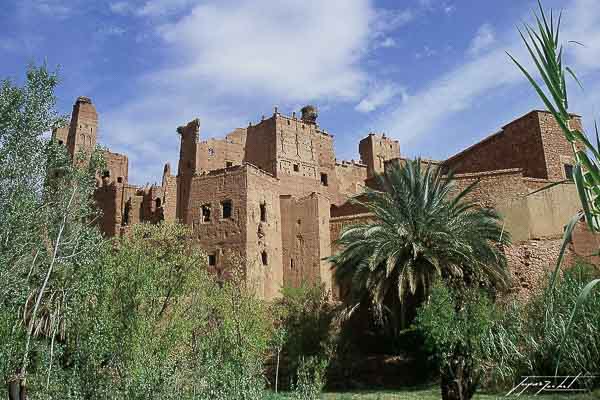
point(421, 229)
point(454, 324)
point(47, 232)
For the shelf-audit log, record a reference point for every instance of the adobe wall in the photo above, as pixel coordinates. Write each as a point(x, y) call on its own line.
point(264, 233)
point(375, 150)
point(305, 240)
point(117, 166)
point(551, 210)
point(517, 145)
point(261, 143)
point(61, 134)
point(503, 190)
point(557, 150)
point(83, 127)
point(219, 153)
point(531, 262)
point(351, 178)
point(169, 185)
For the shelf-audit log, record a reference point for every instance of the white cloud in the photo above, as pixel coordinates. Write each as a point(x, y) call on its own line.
point(297, 51)
point(59, 9)
point(426, 52)
point(426, 111)
point(483, 40)
point(388, 42)
point(379, 95)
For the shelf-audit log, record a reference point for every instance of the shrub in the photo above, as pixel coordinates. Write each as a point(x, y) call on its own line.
point(453, 325)
point(528, 338)
point(307, 316)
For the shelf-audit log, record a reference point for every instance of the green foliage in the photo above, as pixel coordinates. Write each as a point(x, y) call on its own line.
point(523, 342)
point(307, 316)
point(158, 325)
point(454, 324)
point(422, 229)
point(543, 43)
point(310, 379)
point(47, 235)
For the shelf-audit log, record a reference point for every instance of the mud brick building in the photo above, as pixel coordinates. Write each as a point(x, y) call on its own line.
point(274, 194)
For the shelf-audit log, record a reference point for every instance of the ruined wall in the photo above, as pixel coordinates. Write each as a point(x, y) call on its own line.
point(530, 263)
point(61, 135)
point(221, 153)
point(305, 240)
point(375, 150)
point(108, 199)
point(169, 185)
point(188, 165)
point(117, 167)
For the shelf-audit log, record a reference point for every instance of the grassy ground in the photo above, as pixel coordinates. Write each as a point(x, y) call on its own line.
point(433, 393)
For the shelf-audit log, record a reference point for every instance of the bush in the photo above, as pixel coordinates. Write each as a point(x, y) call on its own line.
point(307, 316)
point(453, 325)
point(527, 339)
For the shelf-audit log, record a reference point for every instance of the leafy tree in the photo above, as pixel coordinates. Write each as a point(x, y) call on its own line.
point(543, 43)
point(47, 233)
point(421, 229)
point(454, 324)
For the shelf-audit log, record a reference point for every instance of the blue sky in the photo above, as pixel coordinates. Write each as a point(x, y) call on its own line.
point(431, 73)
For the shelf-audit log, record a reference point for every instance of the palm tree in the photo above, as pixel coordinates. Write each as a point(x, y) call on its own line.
point(420, 230)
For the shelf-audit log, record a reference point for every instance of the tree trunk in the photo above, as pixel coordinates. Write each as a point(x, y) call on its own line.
point(16, 389)
point(457, 381)
point(277, 372)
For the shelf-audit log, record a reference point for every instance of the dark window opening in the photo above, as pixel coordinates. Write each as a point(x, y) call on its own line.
point(120, 179)
point(211, 151)
point(324, 181)
point(291, 263)
point(296, 168)
point(212, 260)
point(228, 164)
point(158, 203)
point(227, 209)
point(569, 172)
point(126, 213)
point(264, 258)
point(106, 174)
point(60, 142)
point(263, 212)
point(206, 213)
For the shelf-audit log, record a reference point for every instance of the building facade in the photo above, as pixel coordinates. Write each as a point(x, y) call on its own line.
point(274, 195)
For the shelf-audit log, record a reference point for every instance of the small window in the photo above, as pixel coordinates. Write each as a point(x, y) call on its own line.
point(228, 164)
point(569, 172)
point(291, 263)
point(211, 151)
point(206, 213)
point(158, 203)
point(263, 212)
point(120, 179)
point(296, 168)
point(60, 142)
point(212, 260)
point(264, 258)
point(226, 209)
point(106, 174)
point(324, 181)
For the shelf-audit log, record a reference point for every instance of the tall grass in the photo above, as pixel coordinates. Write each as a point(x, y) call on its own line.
point(543, 43)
